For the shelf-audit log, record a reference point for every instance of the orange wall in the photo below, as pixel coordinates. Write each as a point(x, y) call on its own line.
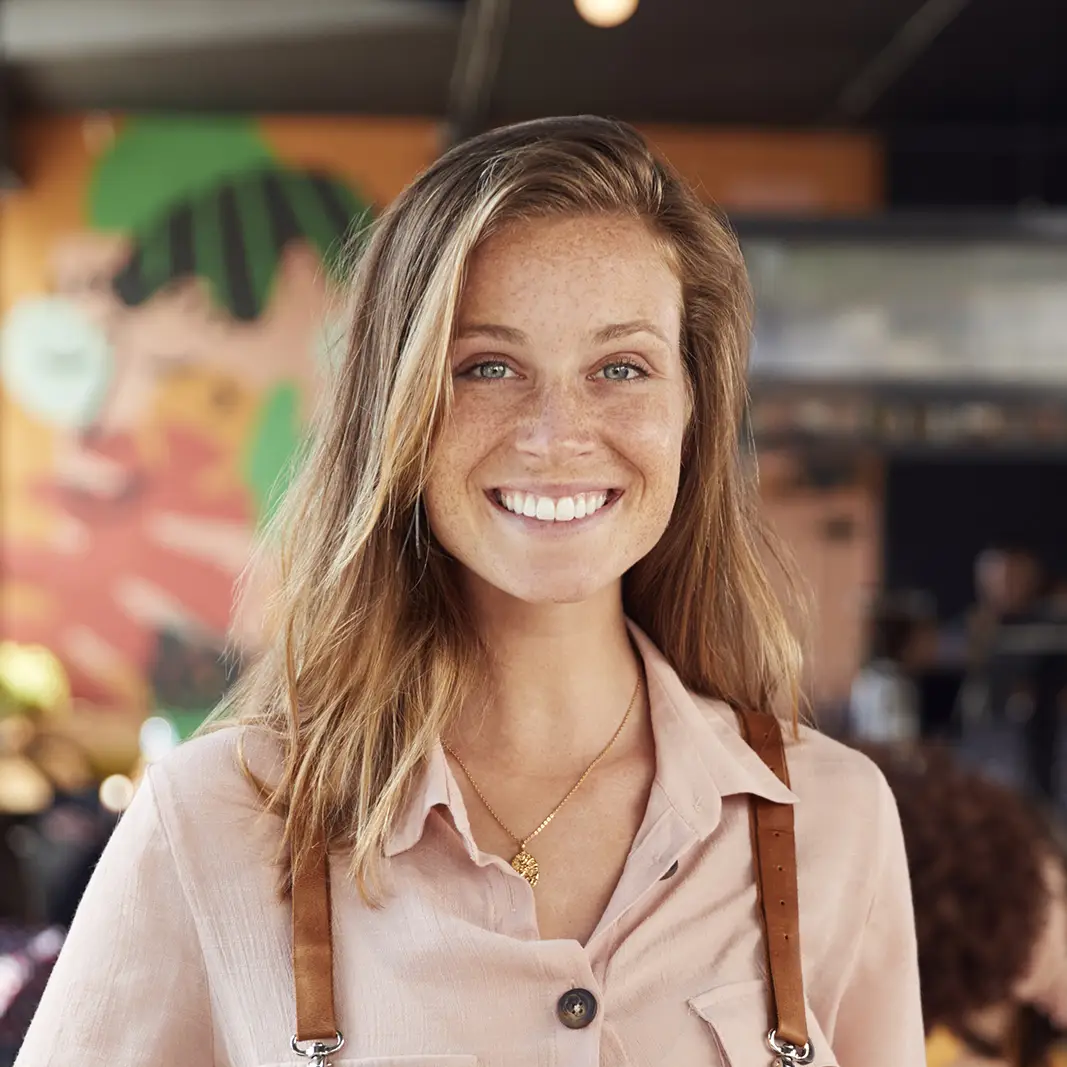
point(779, 172)
point(835, 537)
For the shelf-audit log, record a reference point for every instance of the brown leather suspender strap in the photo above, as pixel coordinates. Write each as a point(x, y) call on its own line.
point(774, 852)
point(313, 955)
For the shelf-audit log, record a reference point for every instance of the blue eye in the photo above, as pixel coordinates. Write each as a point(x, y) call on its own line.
point(623, 372)
point(487, 371)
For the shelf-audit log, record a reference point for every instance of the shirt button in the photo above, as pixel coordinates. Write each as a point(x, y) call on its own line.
point(576, 1008)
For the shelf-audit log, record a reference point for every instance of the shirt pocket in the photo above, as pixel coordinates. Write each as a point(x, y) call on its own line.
point(737, 1017)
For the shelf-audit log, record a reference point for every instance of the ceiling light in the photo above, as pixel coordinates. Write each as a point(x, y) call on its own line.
point(605, 13)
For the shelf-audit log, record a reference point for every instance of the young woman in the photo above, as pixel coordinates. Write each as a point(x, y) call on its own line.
point(521, 600)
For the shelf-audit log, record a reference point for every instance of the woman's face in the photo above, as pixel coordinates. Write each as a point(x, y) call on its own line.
point(559, 466)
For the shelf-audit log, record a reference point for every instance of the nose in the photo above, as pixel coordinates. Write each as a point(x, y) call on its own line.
point(556, 426)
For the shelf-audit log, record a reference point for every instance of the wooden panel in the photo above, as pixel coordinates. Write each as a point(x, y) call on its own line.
point(780, 172)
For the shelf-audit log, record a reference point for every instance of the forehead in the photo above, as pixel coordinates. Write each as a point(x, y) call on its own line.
point(584, 266)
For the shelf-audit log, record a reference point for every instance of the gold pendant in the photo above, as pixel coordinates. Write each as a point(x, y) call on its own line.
point(526, 865)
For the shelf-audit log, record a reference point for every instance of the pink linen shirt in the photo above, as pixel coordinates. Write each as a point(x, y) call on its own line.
point(179, 954)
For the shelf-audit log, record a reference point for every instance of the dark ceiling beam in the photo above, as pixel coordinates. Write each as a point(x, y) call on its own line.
point(963, 138)
point(481, 44)
point(909, 42)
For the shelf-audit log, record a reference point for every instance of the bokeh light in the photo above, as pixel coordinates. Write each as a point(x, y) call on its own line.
point(158, 737)
point(605, 13)
point(116, 793)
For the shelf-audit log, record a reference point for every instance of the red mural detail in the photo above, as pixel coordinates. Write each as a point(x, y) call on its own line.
point(118, 583)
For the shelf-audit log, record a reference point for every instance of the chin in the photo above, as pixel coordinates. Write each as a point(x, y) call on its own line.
point(569, 594)
point(549, 586)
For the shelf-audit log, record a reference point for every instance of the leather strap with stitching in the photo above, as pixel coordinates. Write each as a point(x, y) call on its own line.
point(313, 950)
point(774, 853)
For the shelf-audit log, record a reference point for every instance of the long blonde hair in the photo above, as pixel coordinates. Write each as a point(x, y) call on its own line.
point(370, 652)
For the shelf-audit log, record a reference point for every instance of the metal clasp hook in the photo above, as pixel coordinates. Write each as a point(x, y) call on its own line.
point(316, 1051)
point(790, 1055)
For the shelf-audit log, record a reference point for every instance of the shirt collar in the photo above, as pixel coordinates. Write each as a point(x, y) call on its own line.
point(436, 787)
point(701, 756)
point(700, 759)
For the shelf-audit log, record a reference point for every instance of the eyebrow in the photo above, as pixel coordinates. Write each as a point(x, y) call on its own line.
point(509, 335)
point(618, 330)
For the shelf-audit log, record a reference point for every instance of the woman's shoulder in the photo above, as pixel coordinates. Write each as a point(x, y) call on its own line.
point(222, 845)
point(838, 779)
point(824, 762)
point(822, 770)
point(838, 788)
point(215, 779)
point(846, 813)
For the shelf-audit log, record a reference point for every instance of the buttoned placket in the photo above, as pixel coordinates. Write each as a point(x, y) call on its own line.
point(685, 808)
point(582, 988)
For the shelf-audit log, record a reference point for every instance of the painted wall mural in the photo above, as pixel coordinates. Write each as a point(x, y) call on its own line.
point(156, 373)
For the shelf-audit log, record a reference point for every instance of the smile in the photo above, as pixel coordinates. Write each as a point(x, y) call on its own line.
point(554, 509)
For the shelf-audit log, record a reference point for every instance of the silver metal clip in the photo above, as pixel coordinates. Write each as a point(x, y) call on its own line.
point(315, 1051)
point(788, 1054)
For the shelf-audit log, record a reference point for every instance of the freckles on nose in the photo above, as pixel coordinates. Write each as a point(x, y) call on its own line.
point(554, 417)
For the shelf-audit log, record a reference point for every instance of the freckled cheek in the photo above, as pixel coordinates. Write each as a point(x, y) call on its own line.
point(651, 437)
point(467, 438)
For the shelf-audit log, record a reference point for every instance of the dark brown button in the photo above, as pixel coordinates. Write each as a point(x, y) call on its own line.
point(576, 1008)
point(672, 870)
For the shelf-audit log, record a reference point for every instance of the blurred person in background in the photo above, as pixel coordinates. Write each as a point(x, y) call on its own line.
point(1017, 672)
point(522, 579)
point(1007, 583)
point(884, 701)
point(1035, 649)
point(988, 880)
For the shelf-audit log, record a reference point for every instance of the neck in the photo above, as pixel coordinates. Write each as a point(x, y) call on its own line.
point(562, 676)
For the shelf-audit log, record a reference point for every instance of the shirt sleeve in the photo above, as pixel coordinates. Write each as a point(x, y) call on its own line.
point(879, 1021)
point(130, 984)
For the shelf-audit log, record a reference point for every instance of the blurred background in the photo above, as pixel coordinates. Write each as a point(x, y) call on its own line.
point(178, 177)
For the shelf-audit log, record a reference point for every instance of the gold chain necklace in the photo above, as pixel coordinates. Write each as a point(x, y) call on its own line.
point(522, 861)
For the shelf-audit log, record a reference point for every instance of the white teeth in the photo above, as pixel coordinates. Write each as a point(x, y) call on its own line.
point(546, 509)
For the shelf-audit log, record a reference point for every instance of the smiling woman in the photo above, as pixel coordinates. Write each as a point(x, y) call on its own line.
point(569, 393)
point(497, 749)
